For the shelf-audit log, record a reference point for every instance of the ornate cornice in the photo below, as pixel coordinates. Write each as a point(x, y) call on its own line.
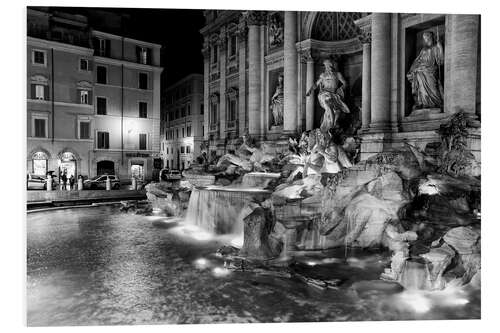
point(242, 30)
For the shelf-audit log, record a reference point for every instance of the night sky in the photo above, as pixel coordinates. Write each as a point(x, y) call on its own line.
point(176, 29)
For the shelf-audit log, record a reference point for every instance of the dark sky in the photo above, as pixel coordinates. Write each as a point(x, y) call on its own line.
point(176, 29)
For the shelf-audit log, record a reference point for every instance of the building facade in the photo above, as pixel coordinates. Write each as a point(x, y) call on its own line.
point(184, 122)
point(246, 54)
point(93, 99)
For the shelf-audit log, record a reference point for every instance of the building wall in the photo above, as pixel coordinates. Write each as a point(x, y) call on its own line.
point(188, 92)
point(63, 75)
point(382, 97)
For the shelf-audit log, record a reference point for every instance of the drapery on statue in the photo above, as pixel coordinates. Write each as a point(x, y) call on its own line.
point(331, 85)
point(423, 75)
point(277, 103)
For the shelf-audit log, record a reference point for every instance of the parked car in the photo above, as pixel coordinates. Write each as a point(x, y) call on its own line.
point(169, 175)
point(36, 182)
point(99, 182)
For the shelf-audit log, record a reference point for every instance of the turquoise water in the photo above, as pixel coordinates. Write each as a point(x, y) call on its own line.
point(98, 266)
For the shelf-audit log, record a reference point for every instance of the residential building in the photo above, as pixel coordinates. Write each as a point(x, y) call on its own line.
point(183, 114)
point(93, 99)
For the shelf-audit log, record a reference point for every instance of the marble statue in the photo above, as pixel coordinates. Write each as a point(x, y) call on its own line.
point(331, 84)
point(424, 75)
point(277, 103)
point(275, 30)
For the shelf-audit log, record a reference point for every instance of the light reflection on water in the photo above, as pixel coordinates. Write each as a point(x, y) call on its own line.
point(93, 266)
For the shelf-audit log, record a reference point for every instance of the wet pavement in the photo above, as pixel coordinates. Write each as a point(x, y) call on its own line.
point(98, 266)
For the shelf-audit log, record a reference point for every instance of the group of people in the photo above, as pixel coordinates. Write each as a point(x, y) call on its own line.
point(64, 179)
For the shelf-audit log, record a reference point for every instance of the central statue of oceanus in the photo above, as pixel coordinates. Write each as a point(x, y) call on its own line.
point(331, 84)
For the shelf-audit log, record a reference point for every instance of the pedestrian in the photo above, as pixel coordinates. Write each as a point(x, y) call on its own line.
point(71, 181)
point(64, 178)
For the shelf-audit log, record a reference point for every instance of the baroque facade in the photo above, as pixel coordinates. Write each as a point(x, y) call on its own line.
point(93, 99)
point(182, 112)
point(246, 53)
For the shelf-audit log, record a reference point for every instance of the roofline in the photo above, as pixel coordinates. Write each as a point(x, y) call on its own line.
point(113, 36)
point(185, 78)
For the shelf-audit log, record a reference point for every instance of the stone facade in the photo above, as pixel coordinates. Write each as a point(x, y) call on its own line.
point(247, 51)
point(182, 133)
point(87, 110)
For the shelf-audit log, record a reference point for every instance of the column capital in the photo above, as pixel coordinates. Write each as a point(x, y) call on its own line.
point(256, 17)
point(242, 30)
point(365, 37)
point(305, 56)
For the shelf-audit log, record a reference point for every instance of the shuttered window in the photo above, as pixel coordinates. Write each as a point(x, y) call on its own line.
point(143, 110)
point(101, 106)
point(142, 141)
point(143, 81)
point(102, 140)
point(84, 130)
point(102, 75)
point(40, 128)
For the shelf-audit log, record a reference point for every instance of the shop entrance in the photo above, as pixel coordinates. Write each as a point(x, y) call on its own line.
point(67, 165)
point(40, 161)
point(137, 169)
point(105, 167)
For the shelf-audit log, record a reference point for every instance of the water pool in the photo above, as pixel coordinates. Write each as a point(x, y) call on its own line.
point(98, 266)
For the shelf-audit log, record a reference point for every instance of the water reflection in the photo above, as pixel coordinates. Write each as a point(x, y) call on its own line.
point(91, 266)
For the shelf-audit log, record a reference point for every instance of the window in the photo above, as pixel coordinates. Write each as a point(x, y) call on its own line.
point(143, 55)
point(39, 92)
point(188, 109)
point(102, 47)
point(102, 75)
point(143, 81)
point(101, 105)
point(143, 110)
point(84, 129)
point(84, 97)
point(182, 149)
point(231, 115)
point(102, 140)
point(202, 111)
point(177, 131)
point(188, 149)
point(213, 113)
point(40, 128)
point(183, 111)
point(214, 54)
point(176, 113)
point(183, 132)
point(232, 46)
point(142, 141)
point(38, 57)
point(188, 130)
point(84, 65)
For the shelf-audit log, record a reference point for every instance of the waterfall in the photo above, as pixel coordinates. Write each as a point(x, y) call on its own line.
point(221, 210)
point(258, 179)
point(414, 275)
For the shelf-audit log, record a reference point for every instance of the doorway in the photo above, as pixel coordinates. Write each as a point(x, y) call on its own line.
point(137, 170)
point(105, 167)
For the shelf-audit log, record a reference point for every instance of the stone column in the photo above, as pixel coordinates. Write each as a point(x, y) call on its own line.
point(254, 73)
point(461, 55)
point(206, 80)
point(222, 83)
point(242, 59)
point(366, 85)
point(309, 83)
point(290, 73)
point(381, 72)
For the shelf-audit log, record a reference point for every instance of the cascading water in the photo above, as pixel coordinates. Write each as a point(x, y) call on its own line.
point(221, 210)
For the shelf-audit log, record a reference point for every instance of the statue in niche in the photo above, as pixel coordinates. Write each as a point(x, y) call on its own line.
point(275, 30)
point(424, 75)
point(331, 85)
point(277, 103)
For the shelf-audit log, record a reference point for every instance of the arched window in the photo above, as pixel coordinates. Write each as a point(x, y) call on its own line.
point(333, 26)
